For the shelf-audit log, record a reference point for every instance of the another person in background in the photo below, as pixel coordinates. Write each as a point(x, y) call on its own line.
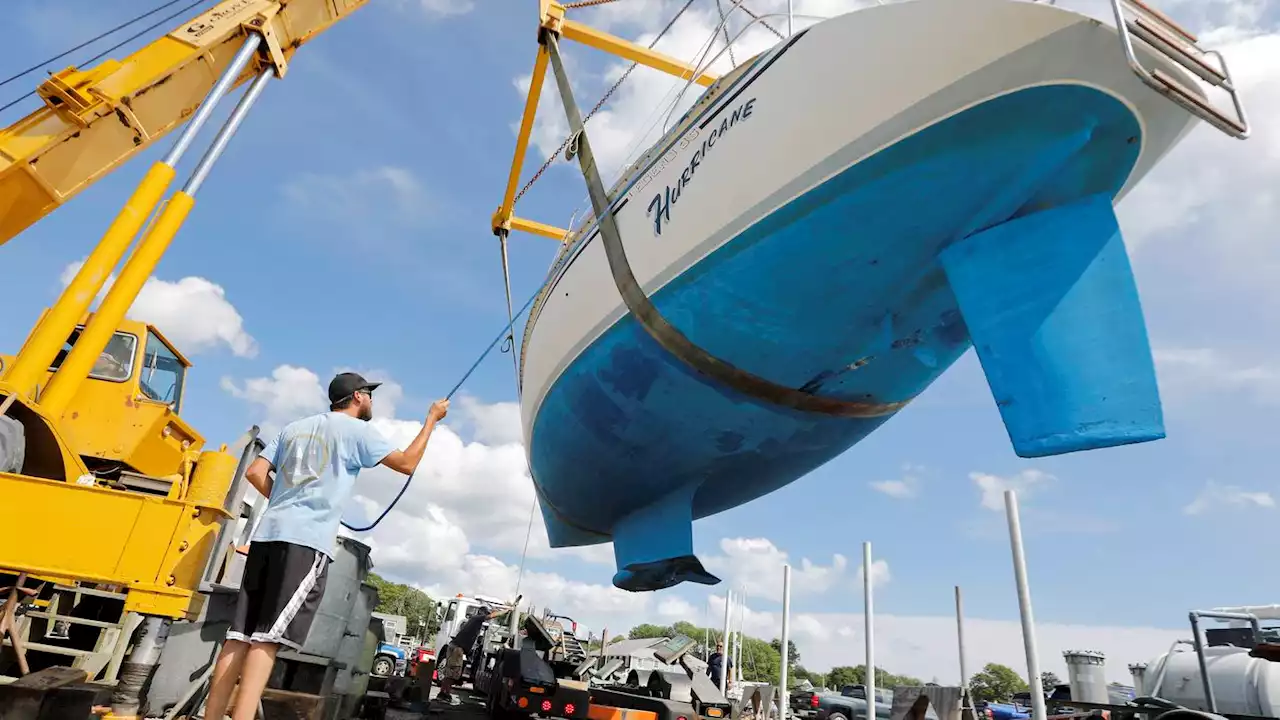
point(718, 664)
point(458, 650)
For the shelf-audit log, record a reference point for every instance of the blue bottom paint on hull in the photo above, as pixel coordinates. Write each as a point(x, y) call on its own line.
point(842, 292)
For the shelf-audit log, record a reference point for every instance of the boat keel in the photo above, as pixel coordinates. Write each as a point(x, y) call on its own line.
point(653, 546)
point(1052, 307)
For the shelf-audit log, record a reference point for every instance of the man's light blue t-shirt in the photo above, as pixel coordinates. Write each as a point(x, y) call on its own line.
point(316, 460)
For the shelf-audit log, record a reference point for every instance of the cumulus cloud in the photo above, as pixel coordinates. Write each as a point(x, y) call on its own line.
point(1215, 495)
point(879, 573)
point(992, 487)
point(903, 488)
point(192, 312)
point(755, 566)
point(1189, 371)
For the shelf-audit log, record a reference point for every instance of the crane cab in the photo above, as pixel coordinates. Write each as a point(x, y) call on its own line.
point(124, 420)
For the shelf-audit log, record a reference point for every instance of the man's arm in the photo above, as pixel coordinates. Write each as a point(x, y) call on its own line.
point(257, 475)
point(406, 461)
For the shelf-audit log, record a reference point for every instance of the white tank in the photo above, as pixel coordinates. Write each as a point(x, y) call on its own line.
point(1087, 676)
point(1241, 684)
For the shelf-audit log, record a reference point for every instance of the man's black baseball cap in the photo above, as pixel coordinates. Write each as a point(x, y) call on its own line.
point(344, 385)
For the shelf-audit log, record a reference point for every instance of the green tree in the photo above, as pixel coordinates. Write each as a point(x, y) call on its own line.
point(418, 609)
point(648, 630)
point(996, 683)
point(793, 655)
point(842, 675)
point(1049, 679)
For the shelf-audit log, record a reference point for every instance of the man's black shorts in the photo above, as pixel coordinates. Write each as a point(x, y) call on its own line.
point(279, 595)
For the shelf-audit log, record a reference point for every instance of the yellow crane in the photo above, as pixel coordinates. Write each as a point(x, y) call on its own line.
point(104, 483)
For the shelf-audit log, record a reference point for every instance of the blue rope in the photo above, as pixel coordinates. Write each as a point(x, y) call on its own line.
point(465, 376)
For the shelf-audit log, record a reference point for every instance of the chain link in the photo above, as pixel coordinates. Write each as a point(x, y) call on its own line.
point(609, 93)
point(586, 3)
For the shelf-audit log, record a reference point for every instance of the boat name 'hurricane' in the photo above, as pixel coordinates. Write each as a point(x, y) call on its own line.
point(660, 207)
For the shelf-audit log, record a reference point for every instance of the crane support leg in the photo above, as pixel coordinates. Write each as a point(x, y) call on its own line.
point(55, 327)
point(75, 368)
point(647, 315)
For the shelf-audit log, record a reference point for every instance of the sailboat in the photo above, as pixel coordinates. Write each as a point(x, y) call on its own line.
point(826, 230)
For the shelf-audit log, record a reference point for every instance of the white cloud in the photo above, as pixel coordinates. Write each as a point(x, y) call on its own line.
point(192, 312)
point(755, 566)
point(440, 8)
point(993, 486)
point(372, 195)
point(1215, 495)
point(903, 488)
point(879, 573)
point(1186, 371)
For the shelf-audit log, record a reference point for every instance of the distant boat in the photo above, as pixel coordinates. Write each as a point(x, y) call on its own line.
point(844, 216)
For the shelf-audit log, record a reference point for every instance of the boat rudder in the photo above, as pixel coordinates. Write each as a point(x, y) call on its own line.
point(1052, 307)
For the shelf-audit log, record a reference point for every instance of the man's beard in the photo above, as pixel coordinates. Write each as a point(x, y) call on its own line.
point(366, 413)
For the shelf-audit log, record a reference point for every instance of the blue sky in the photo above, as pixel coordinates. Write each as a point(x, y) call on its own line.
point(347, 226)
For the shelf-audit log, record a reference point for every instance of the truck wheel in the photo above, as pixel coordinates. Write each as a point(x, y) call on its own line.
point(837, 716)
point(384, 666)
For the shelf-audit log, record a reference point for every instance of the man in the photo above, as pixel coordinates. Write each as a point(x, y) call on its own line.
point(456, 654)
point(717, 664)
point(316, 461)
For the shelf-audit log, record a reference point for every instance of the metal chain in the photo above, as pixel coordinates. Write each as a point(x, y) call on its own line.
point(552, 158)
point(754, 16)
point(586, 3)
point(725, 26)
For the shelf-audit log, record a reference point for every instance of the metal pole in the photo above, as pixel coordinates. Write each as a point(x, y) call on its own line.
point(724, 657)
point(868, 617)
point(964, 673)
point(742, 616)
point(146, 255)
point(1024, 606)
point(1211, 702)
point(784, 696)
point(790, 28)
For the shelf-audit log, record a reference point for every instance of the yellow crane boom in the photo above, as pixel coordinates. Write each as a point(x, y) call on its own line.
point(95, 120)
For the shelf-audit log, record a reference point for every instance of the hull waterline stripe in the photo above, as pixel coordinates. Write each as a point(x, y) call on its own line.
point(643, 309)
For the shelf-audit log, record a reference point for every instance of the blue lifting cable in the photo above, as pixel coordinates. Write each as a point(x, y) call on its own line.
point(464, 378)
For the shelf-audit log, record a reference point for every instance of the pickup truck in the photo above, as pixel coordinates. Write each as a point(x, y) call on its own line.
point(851, 704)
point(390, 660)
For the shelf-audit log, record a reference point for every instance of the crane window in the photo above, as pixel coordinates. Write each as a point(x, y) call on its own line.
point(115, 363)
point(162, 373)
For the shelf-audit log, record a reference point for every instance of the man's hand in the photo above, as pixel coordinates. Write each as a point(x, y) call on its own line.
point(438, 410)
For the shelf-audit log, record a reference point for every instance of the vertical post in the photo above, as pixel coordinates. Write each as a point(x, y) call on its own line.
point(964, 673)
point(724, 657)
point(1024, 606)
point(784, 697)
point(790, 23)
point(868, 617)
point(742, 616)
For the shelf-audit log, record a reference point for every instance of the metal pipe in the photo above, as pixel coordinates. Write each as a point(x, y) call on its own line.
point(790, 22)
point(868, 618)
point(1024, 606)
point(1197, 638)
point(98, 331)
point(219, 144)
point(1153, 690)
point(964, 674)
point(724, 656)
point(784, 695)
point(220, 88)
point(52, 331)
point(126, 698)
